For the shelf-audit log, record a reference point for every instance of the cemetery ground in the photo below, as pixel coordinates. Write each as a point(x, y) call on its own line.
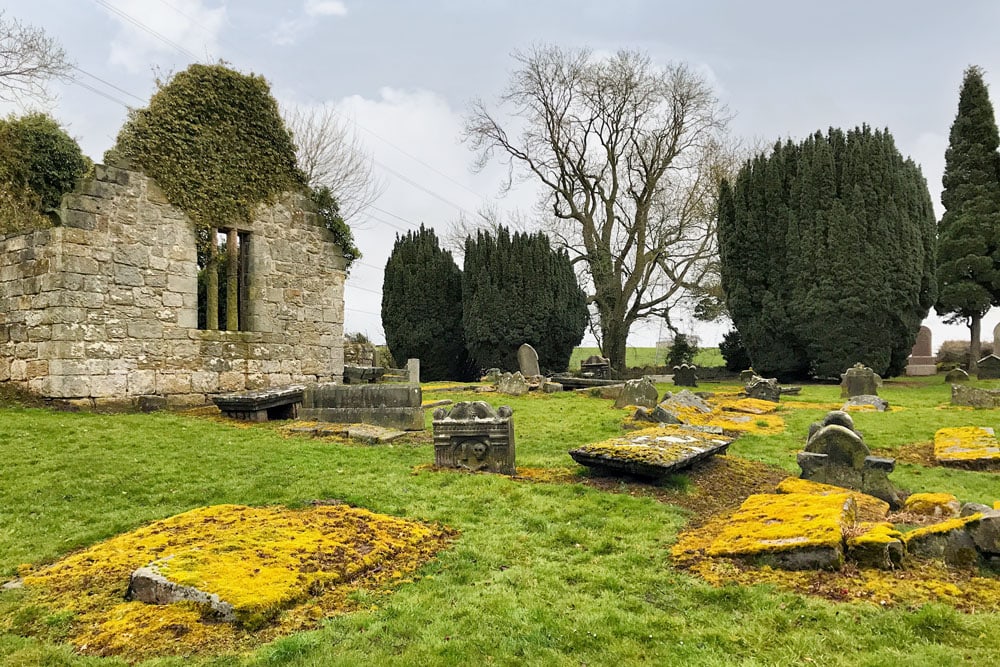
point(558, 566)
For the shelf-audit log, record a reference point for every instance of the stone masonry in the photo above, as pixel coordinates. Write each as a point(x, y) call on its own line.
point(102, 309)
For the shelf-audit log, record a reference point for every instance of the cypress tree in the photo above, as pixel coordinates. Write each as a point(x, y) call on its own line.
point(968, 246)
point(517, 289)
point(827, 252)
point(422, 306)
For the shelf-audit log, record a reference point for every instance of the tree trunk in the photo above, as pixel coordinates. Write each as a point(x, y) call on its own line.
point(975, 323)
point(232, 281)
point(615, 338)
point(212, 281)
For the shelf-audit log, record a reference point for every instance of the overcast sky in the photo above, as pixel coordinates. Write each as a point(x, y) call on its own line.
point(404, 72)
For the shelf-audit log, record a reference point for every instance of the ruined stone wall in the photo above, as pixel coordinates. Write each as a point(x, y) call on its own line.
point(103, 308)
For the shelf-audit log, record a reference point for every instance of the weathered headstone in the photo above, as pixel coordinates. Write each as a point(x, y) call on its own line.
point(975, 397)
point(836, 454)
point(996, 339)
point(641, 392)
point(989, 368)
point(512, 384)
point(527, 361)
point(684, 376)
point(956, 375)
point(472, 436)
point(492, 375)
point(921, 360)
point(764, 389)
point(858, 380)
point(596, 366)
point(747, 375)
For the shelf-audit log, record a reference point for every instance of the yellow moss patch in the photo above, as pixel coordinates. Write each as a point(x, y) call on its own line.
point(806, 405)
point(753, 406)
point(548, 475)
point(942, 527)
point(965, 444)
point(283, 570)
point(872, 533)
point(728, 421)
point(932, 504)
point(778, 522)
point(869, 508)
point(996, 504)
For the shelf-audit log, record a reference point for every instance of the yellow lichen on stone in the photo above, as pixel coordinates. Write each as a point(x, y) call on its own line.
point(753, 406)
point(996, 504)
point(778, 522)
point(942, 527)
point(966, 444)
point(655, 445)
point(869, 508)
point(881, 532)
point(933, 504)
point(283, 570)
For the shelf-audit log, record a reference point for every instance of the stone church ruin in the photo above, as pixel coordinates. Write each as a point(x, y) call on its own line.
point(103, 309)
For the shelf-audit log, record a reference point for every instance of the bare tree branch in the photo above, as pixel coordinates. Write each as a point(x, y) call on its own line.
point(331, 154)
point(630, 155)
point(28, 60)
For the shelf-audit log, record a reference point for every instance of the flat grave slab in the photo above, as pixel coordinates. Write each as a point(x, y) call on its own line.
point(974, 447)
point(652, 452)
point(263, 404)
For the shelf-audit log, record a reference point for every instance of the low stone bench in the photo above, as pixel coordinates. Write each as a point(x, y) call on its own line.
point(263, 404)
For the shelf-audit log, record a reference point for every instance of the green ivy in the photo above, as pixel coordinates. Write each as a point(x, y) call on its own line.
point(214, 140)
point(329, 214)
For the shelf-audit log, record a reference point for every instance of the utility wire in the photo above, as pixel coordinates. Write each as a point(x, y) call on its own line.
point(142, 26)
point(107, 83)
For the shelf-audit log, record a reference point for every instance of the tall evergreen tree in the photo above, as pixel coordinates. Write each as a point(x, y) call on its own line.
point(827, 250)
point(969, 231)
point(517, 289)
point(422, 307)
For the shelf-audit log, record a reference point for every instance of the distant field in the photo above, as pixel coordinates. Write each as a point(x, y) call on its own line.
point(637, 357)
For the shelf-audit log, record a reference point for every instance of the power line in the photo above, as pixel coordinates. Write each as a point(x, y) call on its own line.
point(142, 26)
point(107, 83)
point(100, 92)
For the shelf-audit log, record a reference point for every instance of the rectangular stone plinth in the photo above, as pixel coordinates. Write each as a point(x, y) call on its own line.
point(391, 406)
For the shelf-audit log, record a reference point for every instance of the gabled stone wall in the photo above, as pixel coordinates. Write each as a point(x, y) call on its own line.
point(103, 308)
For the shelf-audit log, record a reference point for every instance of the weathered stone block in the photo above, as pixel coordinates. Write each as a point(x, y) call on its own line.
point(472, 436)
point(641, 392)
point(108, 385)
point(173, 383)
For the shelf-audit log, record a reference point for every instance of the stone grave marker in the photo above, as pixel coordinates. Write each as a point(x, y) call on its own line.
point(956, 375)
point(641, 392)
point(989, 368)
point(684, 376)
point(527, 361)
point(390, 405)
point(512, 384)
point(262, 405)
point(971, 447)
point(472, 436)
point(764, 389)
point(653, 452)
point(975, 397)
point(859, 380)
point(596, 366)
point(836, 454)
point(747, 375)
point(996, 339)
point(921, 360)
point(413, 371)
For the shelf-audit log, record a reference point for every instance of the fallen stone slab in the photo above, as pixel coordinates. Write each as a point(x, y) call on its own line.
point(641, 392)
point(862, 401)
point(975, 397)
point(792, 531)
point(971, 447)
point(652, 452)
point(147, 584)
point(373, 435)
point(262, 405)
point(949, 540)
point(878, 545)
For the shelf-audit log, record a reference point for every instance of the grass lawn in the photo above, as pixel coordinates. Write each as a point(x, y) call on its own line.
point(541, 573)
point(637, 357)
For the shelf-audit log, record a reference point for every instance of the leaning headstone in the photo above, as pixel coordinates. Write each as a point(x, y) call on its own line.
point(512, 384)
point(527, 361)
point(989, 368)
point(684, 376)
point(641, 392)
point(472, 436)
point(921, 360)
point(684, 401)
point(836, 454)
point(596, 367)
point(747, 375)
point(956, 375)
point(859, 380)
point(764, 389)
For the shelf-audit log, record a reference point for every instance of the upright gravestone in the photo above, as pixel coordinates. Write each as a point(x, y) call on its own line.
point(684, 376)
point(473, 436)
point(413, 371)
point(996, 339)
point(596, 366)
point(763, 389)
point(527, 361)
point(989, 368)
point(859, 380)
point(921, 361)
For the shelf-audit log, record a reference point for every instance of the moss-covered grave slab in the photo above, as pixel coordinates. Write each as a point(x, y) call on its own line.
point(974, 447)
point(795, 531)
point(869, 508)
point(652, 452)
point(274, 570)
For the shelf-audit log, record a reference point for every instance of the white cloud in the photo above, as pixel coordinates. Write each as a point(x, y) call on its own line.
point(325, 8)
point(182, 28)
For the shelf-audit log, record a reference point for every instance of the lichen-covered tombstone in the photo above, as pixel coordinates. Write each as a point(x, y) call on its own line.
point(472, 436)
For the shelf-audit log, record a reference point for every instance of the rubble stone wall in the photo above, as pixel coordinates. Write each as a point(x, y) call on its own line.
point(103, 308)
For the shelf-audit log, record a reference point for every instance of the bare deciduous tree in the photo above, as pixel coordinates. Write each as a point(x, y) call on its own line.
point(28, 60)
point(629, 155)
point(331, 154)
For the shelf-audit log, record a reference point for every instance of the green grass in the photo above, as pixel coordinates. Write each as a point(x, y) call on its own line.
point(542, 574)
point(638, 357)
